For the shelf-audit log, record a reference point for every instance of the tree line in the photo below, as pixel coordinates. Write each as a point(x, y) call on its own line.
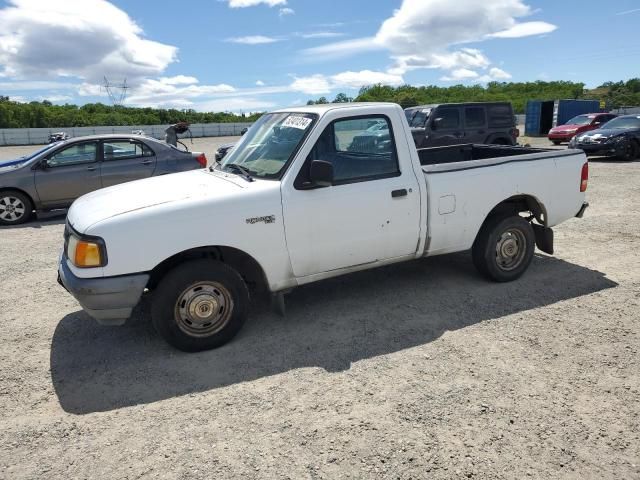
point(616, 94)
point(46, 115)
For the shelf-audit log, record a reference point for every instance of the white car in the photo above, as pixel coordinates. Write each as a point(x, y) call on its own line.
point(294, 202)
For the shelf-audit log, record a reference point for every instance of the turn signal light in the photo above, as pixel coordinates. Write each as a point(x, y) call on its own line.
point(84, 254)
point(584, 177)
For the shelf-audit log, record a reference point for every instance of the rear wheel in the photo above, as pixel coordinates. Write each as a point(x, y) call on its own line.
point(15, 208)
point(504, 248)
point(631, 151)
point(201, 304)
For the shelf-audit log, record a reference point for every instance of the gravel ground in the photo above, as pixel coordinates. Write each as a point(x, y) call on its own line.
point(419, 370)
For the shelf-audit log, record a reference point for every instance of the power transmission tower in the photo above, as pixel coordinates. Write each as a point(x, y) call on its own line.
point(117, 92)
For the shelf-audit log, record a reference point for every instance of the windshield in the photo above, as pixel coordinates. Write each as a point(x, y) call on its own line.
point(623, 122)
point(270, 143)
point(420, 118)
point(580, 120)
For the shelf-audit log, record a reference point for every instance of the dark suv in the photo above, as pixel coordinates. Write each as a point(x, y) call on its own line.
point(457, 123)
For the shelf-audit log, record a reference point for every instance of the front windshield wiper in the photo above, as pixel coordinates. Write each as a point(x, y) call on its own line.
point(246, 174)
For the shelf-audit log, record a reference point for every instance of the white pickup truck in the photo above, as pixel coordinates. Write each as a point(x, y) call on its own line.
point(307, 194)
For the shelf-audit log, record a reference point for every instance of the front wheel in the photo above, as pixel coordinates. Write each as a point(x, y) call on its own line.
point(630, 151)
point(504, 248)
point(15, 208)
point(201, 304)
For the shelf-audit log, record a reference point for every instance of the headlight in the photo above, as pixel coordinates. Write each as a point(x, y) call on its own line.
point(617, 138)
point(86, 252)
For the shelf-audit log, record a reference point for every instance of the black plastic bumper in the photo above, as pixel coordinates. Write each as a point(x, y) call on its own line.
point(110, 300)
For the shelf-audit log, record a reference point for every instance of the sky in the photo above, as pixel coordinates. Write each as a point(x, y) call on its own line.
point(256, 55)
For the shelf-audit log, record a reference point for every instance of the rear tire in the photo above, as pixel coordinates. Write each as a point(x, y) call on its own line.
point(199, 305)
point(15, 208)
point(631, 152)
point(504, 248)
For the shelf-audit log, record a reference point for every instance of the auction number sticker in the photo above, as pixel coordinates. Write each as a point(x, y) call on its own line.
point(295, 121)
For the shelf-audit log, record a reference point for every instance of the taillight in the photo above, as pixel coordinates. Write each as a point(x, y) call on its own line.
point(202, 160)
point(584, 177)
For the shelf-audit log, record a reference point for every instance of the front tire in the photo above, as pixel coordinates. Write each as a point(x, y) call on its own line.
point(631, 151)
point(200, 305)
point(15, 208)
point(504, 248)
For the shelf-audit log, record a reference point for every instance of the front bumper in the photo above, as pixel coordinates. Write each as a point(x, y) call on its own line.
point(110, 300)
point(600, 149)
point(561, 137)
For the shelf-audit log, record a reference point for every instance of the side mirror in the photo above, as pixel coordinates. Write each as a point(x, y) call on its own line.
point(436, 123)
point(321, 173)
point(243, 131)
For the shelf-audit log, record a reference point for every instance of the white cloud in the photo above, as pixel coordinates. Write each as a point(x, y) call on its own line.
point(364, 78)
point(253, 40)
point(54, 98)
point(236, 105)
point(178, 80)
point(283, 12)
point(499, 74)
point(259, 83)
point(76, 38)
point(321, 35)
point(526, 29)
point(253, 3)
point(312, 85)
point(429, 33)
point(320, 84)
point(460, 74)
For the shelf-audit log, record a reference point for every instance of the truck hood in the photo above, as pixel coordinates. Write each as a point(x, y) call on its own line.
point(141, 194)
point(562, 128)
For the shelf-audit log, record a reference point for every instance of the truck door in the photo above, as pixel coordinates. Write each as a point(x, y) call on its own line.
point(370, 213)
point(445, 127)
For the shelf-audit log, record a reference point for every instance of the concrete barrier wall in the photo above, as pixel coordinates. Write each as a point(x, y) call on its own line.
point(39, 136)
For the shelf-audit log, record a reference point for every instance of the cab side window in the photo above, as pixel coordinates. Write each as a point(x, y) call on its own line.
point(76, 154)
point(360, 149)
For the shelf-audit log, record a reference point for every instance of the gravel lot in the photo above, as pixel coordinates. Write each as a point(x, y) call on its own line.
point(420, 370)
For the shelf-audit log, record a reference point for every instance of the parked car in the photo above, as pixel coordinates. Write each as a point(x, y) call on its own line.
point(292, 204)
point(54, 176)
point(619, 138)
point(223, 149)
point(58, 137)
point(458, 123)
point(138, 132)
point(577, 125)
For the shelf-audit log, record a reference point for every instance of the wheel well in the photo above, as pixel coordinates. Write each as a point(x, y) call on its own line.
point(519, 204)
point(247, 266)
point(11, 189)
point(500, 141)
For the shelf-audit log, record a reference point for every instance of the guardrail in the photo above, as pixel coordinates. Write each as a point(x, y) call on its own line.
point(39, 136)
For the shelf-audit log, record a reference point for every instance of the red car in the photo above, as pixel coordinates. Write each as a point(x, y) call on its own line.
point(579, 124)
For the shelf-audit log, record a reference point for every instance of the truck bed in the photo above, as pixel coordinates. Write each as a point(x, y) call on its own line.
point(467, 152)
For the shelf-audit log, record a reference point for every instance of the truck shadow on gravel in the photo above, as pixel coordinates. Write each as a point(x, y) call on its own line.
point(330, 325)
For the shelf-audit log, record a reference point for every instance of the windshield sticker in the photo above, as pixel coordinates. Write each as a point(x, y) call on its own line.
point(295, 121)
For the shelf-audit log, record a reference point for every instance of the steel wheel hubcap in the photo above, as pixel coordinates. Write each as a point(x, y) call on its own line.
point(203, 309)
point(510, 249)
point(11, 208)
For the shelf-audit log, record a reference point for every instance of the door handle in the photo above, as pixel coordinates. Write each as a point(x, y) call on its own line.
point(147, 162)
point(92, 168)
point(399, 193)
